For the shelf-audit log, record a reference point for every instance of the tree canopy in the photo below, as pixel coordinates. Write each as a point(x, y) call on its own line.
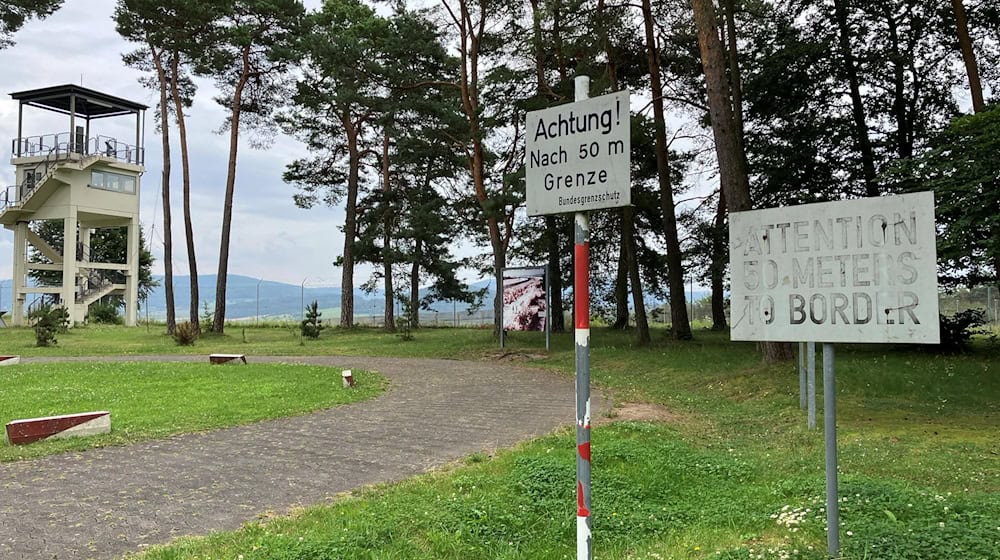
point(15, 13)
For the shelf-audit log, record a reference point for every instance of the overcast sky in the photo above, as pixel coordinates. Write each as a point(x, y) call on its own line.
point(271, 238)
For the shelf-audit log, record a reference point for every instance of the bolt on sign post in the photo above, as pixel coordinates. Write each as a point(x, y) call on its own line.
point(846, 271)
point(578, 159)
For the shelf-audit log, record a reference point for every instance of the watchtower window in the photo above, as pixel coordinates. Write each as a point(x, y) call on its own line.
point(114, 182)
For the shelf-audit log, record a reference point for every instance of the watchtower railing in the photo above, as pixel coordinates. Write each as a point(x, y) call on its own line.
point(65, 142)
point(55, 148)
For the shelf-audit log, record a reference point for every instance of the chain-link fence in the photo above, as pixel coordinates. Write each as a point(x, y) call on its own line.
point(481, 318)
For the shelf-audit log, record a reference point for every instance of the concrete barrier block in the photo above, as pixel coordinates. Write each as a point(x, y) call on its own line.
point(20, 432)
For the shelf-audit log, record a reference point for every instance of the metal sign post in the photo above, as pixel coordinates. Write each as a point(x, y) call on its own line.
point(581, 296)
point(830, 435)
point(581, 300)
point(811, 365)
point(802, 375)
point(578, 159)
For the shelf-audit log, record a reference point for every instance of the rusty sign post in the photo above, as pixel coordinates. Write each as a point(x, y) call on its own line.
point(845, 271)
point(577, 160)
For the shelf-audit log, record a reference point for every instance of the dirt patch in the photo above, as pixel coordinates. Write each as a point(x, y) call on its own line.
point(505, 356)
point(640, 412)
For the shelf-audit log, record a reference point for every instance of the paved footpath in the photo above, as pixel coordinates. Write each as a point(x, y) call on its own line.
point(103, 503)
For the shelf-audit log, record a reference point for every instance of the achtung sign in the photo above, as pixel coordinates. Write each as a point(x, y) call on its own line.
point(846, 271)
point(578, 155)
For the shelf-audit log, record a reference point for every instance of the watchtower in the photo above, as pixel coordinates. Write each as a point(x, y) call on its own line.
point(88, 182)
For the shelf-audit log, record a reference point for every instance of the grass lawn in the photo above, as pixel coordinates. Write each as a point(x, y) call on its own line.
point(734, 474)
point(281, 340)
point(151, 400)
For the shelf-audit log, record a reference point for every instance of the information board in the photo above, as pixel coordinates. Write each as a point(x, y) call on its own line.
point(847, 271)
point(524, 299)
point(577, 156)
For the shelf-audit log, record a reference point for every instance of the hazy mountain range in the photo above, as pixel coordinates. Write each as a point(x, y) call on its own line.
point(248, 298)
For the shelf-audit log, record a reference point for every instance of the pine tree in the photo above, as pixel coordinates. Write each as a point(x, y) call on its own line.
point(312, 325)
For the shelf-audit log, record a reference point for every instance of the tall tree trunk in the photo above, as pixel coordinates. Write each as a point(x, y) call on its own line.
point(624, 263)
point(418, 255)
point(969, 56)
point(857, 103)
point(735, 77)
point(628, 265)
point(558, 40)
point(389, 316)
point(186, 191)
point(638, 302)
point(470, 39)
point(718, 269)
point(222, 277)
point(168, 243)
point(732, 171)
point(554, 315)
point(350, 225)
point(621, 280)
point(904, 139)
point(675, 267)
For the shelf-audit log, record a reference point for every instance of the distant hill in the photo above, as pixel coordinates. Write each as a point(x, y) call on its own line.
point(276, 300)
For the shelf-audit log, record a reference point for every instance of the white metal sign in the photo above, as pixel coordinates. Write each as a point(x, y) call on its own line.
point(846, 271)
point(577, 156)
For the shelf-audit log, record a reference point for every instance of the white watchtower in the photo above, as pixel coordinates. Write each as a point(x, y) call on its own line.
point(87, 182)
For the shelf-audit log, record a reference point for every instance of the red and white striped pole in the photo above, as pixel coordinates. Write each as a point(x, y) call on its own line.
point(581, 297)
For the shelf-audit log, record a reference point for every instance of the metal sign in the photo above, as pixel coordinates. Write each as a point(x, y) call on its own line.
point(577, 156)
point(524, 299)
point(846, 271)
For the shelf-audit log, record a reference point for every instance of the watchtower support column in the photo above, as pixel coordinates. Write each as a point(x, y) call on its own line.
point(20, 252)
point(68, 293)
point(132, 281)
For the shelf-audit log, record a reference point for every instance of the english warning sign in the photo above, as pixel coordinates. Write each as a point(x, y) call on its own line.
point(846, 271)
point(577, 156)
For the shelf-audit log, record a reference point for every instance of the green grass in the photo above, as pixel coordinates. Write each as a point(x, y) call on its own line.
point(656, 496)
point(917, 434)
point(277, 340)
point(152, 400)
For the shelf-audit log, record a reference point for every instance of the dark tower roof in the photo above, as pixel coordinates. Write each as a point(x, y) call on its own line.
point(90, 103)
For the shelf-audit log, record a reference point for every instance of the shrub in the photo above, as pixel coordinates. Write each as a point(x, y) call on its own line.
point(184, 334)
point(207, 317)
point(48, 322)
point(403, 329)
point(312, 325)
point(104, 313)
point(957, 330)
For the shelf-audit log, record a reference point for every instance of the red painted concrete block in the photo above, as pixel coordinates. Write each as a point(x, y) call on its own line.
point(227, 358)
point(29, 430)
